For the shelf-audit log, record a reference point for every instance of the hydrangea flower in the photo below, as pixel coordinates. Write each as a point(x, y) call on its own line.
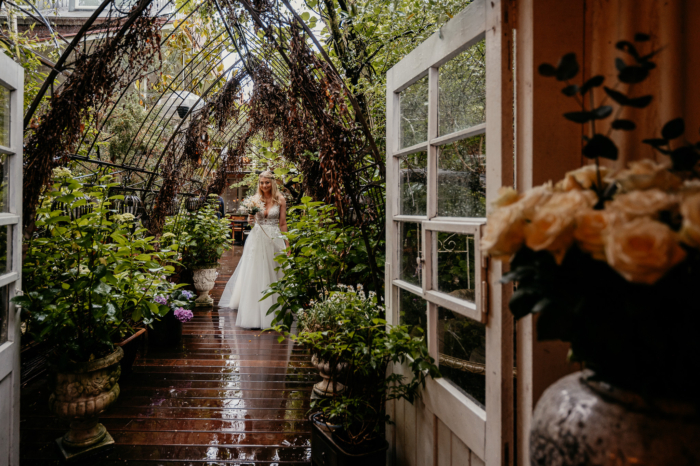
point(183, 315)
point(187, 294)
point(160, 300)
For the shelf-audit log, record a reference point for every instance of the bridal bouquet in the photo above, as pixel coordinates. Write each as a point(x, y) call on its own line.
point(253, 204)
point(610, 261)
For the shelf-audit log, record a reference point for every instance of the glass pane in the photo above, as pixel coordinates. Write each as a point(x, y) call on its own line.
point(4, 314)
point(462, 347)
point(414, 114)
point(413, 182)
point(462, 178)
point(413, 311)
point(93, 3)
point(4, 187)
point(4, 116)
point(410, 269)
point(462, 82)
point(456, 272)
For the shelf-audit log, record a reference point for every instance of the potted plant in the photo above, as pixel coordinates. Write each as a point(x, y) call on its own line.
point(348, 427)
point(85, 279)
point(609, 263)
point(204, 239)
point(168, 330)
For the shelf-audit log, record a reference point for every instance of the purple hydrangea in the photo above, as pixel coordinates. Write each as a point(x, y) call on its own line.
point(183, 315)
point(160, 300)
point(187, 294)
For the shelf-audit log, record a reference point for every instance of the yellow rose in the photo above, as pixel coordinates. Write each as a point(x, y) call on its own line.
point(533, 199)
point(590, 232)
point(503, 234)
point(647, 203)
point(552, 226)
point(647, 174)
point(690, 231)
point(583, 178)
point(506, 196)
point(643, 250)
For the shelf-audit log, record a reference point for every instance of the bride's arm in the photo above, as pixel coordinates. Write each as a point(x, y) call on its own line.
point(283, 217)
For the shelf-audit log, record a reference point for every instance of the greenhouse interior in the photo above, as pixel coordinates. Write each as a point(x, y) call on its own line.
point(275, 232)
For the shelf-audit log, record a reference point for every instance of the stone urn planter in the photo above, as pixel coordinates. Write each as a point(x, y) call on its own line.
point(79, 396)
point(580, 421)
point(328, 450)
point(327, 387)
point(204, 280)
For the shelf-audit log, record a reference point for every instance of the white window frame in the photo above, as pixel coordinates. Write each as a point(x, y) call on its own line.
point(486, 432)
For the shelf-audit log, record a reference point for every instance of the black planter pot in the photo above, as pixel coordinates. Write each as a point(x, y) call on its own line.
point(325, 451)
point(166, 332)
point(131, 348)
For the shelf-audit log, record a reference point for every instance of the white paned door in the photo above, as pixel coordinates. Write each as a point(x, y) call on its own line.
point(445, 100)
point(11, 105)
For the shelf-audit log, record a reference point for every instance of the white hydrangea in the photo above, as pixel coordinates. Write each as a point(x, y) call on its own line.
point(123, 218)
point(61, 172)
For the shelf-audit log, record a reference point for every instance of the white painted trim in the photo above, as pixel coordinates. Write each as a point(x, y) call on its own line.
point(461, 32)
point(8, 277)
point(6, 150)
point(410, 218)
point(417, 290)
point(421, 146)
point(8, 219)
point(462, 134)
point(460, 306)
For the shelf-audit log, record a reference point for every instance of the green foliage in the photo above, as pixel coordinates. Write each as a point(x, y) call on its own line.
point(614, 325)
point(88, 278)
point(204, 237)
point(322, 254)
point(359, 347)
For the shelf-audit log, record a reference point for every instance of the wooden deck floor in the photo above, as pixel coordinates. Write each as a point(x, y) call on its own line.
point(225, 396)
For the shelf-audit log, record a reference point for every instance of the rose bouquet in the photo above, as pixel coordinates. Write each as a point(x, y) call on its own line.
point(610, 261)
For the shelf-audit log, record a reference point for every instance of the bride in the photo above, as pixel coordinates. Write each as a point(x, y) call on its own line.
point(256, 269)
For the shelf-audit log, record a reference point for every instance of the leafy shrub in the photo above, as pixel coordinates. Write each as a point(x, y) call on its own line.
point(204, 237)
point(359, 338)
point(322, 254)
point(87, 279)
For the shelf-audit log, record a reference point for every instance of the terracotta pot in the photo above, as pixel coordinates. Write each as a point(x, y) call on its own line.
point(579, 421)
point(204, 280)
point(328, 387)
point(131, 347)
point(82, 394)
point(166, 332)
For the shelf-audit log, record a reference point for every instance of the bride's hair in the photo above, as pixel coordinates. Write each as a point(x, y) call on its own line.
point(274, 193)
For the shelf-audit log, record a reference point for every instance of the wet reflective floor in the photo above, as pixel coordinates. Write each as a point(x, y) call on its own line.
point(224, 396)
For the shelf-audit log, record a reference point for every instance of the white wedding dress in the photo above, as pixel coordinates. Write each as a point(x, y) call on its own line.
point(255, 273)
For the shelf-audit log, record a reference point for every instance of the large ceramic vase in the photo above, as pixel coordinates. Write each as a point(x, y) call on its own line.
point(79, 395)
point(579, 421)
point(329, 385)
point(204, 280)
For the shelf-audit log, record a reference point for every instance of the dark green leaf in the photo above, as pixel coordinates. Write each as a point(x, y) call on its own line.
point(655, 142)
point(620, 64)
point(570, 90)
point(579, 117)
point(633, 74)
point(673, 129)
point(626, 125)
point(628, 47)
point(641, 37)
point(600, 146)
point(545, 69)
point(567, 67)
point(640, 102)
point(523, 300)
point(602, 112)
point(595, 81)
point(685, 158)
